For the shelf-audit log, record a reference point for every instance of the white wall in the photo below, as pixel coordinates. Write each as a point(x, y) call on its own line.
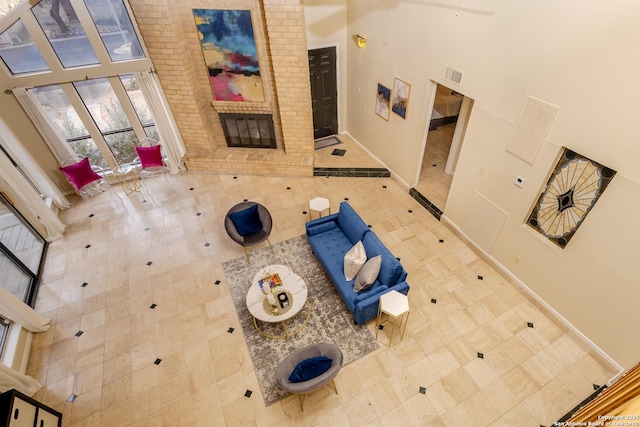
point(579, 56)
point(326, 24)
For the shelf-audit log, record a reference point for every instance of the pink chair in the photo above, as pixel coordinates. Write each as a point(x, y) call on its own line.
point(151, 158)
point(85, 181)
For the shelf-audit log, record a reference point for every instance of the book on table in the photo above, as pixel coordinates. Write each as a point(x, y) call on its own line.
point(271, 281)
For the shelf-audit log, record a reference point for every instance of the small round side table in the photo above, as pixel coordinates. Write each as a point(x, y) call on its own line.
point(127, 178)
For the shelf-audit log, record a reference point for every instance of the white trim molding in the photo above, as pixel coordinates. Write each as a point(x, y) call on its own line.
point(541, 304)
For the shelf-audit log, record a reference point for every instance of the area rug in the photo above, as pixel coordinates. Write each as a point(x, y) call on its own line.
point(330, 320)
point(326, 142)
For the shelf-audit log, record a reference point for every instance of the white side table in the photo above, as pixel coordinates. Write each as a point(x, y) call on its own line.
point(128, 179)
point(319, 204)
point(394, 306)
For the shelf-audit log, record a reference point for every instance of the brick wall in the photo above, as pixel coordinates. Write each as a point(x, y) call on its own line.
point(170, 35)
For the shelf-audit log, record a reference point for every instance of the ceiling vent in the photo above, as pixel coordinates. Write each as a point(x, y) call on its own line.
point(452, 75)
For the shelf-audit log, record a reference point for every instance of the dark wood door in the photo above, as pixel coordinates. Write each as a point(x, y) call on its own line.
point(324, 92)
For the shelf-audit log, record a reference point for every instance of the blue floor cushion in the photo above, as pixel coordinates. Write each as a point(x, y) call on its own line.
point(310, 368)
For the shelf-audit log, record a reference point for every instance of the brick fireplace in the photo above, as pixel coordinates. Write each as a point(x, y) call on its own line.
point(171, 38)
point(248, 130)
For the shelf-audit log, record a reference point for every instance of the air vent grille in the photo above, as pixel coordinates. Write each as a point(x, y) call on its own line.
point(452, 75)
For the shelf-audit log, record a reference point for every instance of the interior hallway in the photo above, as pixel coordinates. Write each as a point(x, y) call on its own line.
point(130, 255)
point(434, 184)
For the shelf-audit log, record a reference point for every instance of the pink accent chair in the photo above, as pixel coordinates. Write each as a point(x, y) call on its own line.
point(151, 158)
point(85, 181)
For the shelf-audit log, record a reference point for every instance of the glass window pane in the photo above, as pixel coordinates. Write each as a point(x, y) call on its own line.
point(254, 131)
point(4, 328)
point(152, 132)
point(114, 25)
point(60, 24)
point(265, 133)
point(103, 104)
point(58, 108)
point(105, 109)
point(20, 239)
point(137, 99)
point(13, 279)
point(122, 145)
point(86, 147)
point(18, 51)
point(67, 122)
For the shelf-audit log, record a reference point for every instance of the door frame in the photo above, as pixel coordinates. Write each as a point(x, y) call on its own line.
point(458, 136)
point(338, 81)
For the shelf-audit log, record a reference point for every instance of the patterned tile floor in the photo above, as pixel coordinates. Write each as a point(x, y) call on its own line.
point(161, 344)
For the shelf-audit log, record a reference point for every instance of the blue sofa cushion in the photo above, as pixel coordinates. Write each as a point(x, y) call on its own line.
point(391, 268)
point(310, 368)
point(247, 221)
point(351, 224)
point(320, 228)
point(330, 248)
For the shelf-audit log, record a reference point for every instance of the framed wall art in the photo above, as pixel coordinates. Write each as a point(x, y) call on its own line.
point(573, 189)
point(383, 102)
point(401, 91)
point(229, 48)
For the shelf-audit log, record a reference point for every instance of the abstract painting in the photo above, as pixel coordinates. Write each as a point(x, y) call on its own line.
point(400, 103)
point(229, 48)
point(383, 100)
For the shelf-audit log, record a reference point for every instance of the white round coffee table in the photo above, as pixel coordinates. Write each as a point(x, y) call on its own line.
point(292, 285)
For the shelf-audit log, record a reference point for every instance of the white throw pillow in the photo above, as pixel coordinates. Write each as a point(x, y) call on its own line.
point(354, 260)
point(368, 274)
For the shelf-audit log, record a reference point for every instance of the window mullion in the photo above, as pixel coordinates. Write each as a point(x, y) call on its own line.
point(4, 328)
point(81, 109)
point(127, 107)
point(91, 31)
point(40, 39)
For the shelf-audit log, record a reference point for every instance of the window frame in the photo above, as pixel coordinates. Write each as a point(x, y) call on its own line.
point(57, 74)
point(64, 77)
point(4, 323)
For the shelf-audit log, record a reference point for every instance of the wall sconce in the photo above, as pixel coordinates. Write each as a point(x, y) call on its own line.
point(359, 40)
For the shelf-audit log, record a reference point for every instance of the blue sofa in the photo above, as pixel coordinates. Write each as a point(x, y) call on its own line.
point(331, 237)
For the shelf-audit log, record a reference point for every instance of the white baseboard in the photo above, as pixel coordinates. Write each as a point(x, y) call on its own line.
point(541, 303)
point(394, 175)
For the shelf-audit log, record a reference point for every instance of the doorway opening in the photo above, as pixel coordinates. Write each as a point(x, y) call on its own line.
point(449, 118)
point(335, 154)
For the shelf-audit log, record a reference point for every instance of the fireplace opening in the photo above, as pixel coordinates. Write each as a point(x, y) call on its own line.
point(248, 130)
